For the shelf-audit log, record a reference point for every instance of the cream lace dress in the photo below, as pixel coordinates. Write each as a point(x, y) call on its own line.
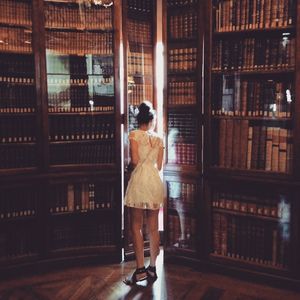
point(145, 187)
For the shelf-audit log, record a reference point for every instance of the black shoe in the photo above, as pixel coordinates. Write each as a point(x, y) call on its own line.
point(151, 272)
point(134, 279)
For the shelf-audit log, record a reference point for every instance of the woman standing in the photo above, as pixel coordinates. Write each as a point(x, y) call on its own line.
point(145, 190)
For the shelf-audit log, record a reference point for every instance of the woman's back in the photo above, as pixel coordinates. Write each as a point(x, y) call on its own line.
point(148, 145)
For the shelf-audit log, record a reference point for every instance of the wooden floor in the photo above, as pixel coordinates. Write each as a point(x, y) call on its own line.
point(105, 282)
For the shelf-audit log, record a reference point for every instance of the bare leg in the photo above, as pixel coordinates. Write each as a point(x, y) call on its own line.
point(136, 215)
point(152, 221)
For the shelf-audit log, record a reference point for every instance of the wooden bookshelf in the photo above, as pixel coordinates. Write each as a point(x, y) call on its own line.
point(262, 97)
point(60, 136)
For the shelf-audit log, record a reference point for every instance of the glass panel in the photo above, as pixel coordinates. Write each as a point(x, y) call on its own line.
point(139, 56)
point(253, 86)
point(252, 228)
point(182, 137)
point(181, 221)
point(18, 132)
point(80, 197)
point(80, 72)
point(19, 209)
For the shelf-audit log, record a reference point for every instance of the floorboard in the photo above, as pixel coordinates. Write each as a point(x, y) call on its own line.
point(105, 282)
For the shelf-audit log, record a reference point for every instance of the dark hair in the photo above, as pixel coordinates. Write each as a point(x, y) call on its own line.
point(146, 113)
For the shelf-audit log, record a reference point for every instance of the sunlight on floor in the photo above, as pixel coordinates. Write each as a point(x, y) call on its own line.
point(143, 290)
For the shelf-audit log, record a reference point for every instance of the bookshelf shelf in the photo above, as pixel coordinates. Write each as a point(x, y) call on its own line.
point(83, 250)
point(12, 25)
point(248, 262)
point(276, 30)
point(18, 219)
point(249, 172)
point(81, 141)
point(78, 29)
point(182, 106)
point(247, 215)
point(183, 73)
point(279, 71)
point(260, 118)
point(7, 144)
point(84, 214)
point(82, 113)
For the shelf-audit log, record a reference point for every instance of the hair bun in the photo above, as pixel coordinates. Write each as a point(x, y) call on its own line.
point(145, 113)
point(145, 107)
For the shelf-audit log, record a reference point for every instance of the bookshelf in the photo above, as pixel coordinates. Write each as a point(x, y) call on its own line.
point(139, 36)
point(60, 133)
point(253, 91)
point(18, 106)
point(250, 167)
point(183, 126)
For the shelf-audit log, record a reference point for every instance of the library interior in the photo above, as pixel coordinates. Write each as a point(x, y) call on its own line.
point(223, 77)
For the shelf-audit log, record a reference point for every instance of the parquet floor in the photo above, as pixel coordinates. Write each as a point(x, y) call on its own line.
point(105, 282)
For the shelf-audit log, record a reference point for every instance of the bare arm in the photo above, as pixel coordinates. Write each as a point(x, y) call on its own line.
point(160, 156)
point(134, 154)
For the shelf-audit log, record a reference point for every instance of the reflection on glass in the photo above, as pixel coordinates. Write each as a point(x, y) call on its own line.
point(80, 78)
point(235, 95)
point(181, 138)
point(181, 203)
point(73, 82)
point(253, 228)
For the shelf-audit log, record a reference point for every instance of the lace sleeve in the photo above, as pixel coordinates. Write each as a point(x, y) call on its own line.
point(132, 136)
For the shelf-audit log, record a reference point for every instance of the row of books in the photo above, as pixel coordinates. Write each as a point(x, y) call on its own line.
point(182, 92)
point(140, 6)
point(66, 154)
point(16, 12)
point(71, 107)
point(181, 196)
point(18, 156)
point(138, 92)
point(16, 65)
point(254, 54)
point(251, 240)
point(81, 95)
point(80, 197)
point(179, 3)
point(19, 243)
point(273, 206)
point(83, 235)
point(182, 153)
point(182, 60)
point(140, 63)
point(17, 98)
point(18, 130)
point(83, 66)
point(139, 31)
point(79, 17)
point(182, 126)
point(245, 14)
point(184, 26)
point(246, 146)
point(259, 98)
point(79, 43)
point(182, 231)
point(15, 40)
point(16, 80)
point(66, 81)
point(80, 128)
point(18, 203)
